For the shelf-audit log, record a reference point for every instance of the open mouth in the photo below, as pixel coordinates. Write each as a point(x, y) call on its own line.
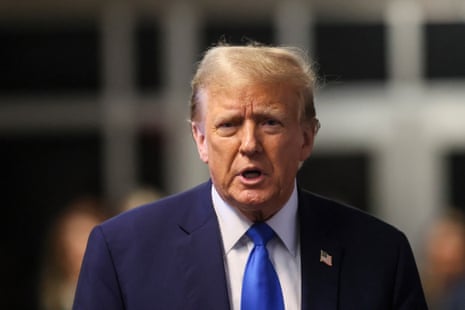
point(251, 174)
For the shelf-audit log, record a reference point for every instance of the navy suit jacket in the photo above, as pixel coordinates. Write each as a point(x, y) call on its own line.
point(169, 255)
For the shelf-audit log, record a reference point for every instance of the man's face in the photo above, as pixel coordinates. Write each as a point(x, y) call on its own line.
point(253, 142)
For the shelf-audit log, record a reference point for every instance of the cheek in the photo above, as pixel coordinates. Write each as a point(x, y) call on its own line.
point(221, 153)
point(287, 156)
point(296, 148)
point(290, 148)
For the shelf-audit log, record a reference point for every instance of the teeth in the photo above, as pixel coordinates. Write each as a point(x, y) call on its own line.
point(251, 174)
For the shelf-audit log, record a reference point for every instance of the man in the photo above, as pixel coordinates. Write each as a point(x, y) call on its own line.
point(254, 123)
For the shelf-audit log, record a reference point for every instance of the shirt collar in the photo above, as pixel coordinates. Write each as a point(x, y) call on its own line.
point(233, 225)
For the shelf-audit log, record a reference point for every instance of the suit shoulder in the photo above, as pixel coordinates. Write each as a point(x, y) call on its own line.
point(346, 218)
point(159, 215)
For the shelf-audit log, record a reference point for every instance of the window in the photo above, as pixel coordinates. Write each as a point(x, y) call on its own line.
point(347, 52)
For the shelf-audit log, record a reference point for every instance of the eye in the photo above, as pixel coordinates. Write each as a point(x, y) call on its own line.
point(271, 122)
point(226, 128)
point(226, 125)
point(272, 125)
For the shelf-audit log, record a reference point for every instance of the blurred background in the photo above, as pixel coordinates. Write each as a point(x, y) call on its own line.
point(93, 110)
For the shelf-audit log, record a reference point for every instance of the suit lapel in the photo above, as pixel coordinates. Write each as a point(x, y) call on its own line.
point(200, 256)
point(320, 281)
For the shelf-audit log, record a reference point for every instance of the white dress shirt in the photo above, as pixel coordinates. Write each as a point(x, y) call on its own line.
point(284, 251)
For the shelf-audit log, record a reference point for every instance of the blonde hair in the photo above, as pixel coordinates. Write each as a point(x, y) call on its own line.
point(227, 69)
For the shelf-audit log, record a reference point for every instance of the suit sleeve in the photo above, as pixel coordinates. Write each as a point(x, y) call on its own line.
point(408, 292)
point(98, 286)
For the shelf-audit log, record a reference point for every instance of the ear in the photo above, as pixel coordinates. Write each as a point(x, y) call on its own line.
point(308, 138)
point(198, 132)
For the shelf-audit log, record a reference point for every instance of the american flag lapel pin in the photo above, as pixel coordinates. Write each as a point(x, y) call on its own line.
point(325, 258)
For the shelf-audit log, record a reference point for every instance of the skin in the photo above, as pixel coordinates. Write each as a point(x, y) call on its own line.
point(253, 142)
point(74, 232)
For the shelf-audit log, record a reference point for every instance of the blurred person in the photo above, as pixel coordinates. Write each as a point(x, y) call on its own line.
point(250, 237)
point(443, 270)
point(455, 298)
point(64, 251)
point(139, 196)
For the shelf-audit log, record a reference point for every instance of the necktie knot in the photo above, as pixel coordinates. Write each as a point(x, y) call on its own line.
point(260, 233)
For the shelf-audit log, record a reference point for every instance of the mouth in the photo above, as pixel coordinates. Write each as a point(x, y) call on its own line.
point(250, 174)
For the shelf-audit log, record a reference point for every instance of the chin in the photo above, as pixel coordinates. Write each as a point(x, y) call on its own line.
point(252, 197)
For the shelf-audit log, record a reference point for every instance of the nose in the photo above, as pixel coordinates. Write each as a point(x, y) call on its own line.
point(250, 140)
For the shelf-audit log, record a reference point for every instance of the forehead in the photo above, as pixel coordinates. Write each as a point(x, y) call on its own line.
point(262, 97)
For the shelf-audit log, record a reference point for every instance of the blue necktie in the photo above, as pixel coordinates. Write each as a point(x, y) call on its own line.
point(260, 288)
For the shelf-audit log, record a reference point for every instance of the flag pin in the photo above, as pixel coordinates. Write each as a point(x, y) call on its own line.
point(325, 258)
